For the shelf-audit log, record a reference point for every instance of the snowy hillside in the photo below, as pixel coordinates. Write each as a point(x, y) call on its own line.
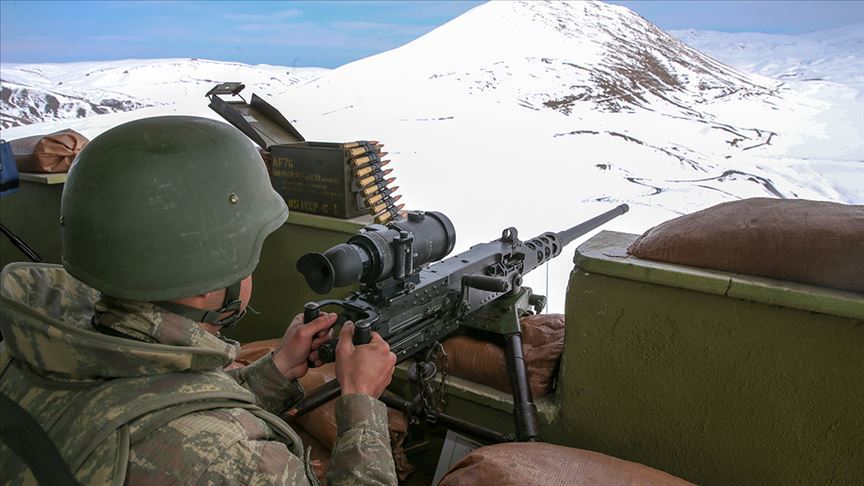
point(828, 67)
point(546, 56)
point(34, 93)
point(540, 115)
point(830, 55)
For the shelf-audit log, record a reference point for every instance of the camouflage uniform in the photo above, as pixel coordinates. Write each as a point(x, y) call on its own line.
point(146, 401)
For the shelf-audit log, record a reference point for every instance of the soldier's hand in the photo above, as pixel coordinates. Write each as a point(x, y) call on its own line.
point(366, 368)
point(300, 342)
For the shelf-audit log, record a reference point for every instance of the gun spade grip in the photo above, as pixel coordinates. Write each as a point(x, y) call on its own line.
point(362, 334)
point(310, 312)
point(327, 351)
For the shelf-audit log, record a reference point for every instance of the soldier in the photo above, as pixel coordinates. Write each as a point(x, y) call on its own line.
point(162, 224)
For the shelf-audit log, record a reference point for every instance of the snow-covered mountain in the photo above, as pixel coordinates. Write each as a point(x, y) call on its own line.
point(539, 115)
point(23, 104)
point(827, 67)
point(34, 93)
point(827, 55)
point(588, 94)
point(545, 56)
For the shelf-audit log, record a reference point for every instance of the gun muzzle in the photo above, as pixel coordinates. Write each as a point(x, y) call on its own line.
point(580, 229)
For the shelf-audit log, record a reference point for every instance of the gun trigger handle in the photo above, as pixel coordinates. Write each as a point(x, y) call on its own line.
point(310, 312)
point(362, 333)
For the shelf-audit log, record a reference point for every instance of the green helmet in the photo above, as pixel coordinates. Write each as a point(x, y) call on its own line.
point(167, 207)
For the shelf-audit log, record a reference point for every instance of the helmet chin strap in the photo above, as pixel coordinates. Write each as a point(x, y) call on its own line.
point(231, 304)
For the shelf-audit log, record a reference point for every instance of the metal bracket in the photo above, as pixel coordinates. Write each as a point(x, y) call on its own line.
point(502, 316)
point(230, 88)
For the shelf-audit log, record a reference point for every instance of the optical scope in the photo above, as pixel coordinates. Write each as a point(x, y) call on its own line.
point(380, 252)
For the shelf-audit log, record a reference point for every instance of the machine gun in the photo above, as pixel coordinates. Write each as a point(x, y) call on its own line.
point(414, 303)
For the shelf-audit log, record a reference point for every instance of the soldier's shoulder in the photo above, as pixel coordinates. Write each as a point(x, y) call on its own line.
point(46, 287)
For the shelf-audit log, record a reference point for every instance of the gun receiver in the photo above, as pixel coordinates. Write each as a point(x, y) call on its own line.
point(413, 300)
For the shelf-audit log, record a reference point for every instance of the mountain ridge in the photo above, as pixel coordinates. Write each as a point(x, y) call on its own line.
point(832, 54)
point(613, 79)
point(81, 89)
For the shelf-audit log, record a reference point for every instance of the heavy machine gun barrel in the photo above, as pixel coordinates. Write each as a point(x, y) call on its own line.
point(413, 300)
point(568, 235)
point(403, 293)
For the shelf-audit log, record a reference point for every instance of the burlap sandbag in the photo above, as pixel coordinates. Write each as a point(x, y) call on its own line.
point(48, 153)
point(320, 423)
point(252, 352)
point(483, 362)
point(320, 455)
point(526, 464)
point(818, 243)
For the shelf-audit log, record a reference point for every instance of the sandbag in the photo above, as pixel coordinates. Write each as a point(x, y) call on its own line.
point(48, 153)
point(320, 423)
point(813, 242)
point(320, 455)
point(484, 362)
point(252, 352)
point(537, 463)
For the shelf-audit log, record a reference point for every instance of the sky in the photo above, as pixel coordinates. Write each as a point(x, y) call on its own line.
point(324, 33)
point(770, 17)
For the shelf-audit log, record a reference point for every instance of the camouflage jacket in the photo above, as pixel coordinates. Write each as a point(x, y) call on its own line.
point(76, 361)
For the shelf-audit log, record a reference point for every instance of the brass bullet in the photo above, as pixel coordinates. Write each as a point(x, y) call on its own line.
point(367, 159)
point(389, 214)
point(378, 196)
point(360, 143)
point(375, 177)
point(363, 150)
point(368, 191)
point(384, 204)
point(358, 173)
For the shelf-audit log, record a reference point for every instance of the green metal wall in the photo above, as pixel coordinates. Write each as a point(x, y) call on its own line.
point(712, 388)
point(33, 214)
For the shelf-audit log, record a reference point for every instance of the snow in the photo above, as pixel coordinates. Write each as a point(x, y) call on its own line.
point(541, 115)
point(831, 55)
point(116, 86)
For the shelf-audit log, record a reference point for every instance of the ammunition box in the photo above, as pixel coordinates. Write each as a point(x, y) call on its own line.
point(312, 177)
point(316, 178)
